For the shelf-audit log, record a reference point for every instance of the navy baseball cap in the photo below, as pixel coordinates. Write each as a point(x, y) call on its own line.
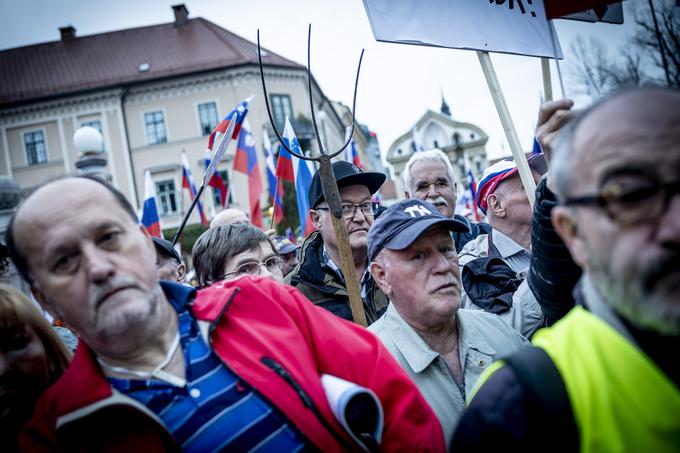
point(403, 223)
point(284, 245)
point(346, 174)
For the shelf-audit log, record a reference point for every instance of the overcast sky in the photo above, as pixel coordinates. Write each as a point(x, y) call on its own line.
point(398, 82)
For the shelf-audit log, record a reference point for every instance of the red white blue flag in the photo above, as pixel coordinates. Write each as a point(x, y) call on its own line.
point(226, 131)
point(352, 156)
point(217, 183)
point(245, 161)
point(241, 111)
point(303, 171)
point(150, 218)
point(188, 183)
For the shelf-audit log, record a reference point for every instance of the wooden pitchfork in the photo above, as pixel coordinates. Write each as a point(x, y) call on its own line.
point(328, 183)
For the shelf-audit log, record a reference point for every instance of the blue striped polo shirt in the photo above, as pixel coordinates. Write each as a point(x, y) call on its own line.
point(215, 410)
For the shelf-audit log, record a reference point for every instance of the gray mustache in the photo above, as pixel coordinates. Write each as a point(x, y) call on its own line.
point(439, 199)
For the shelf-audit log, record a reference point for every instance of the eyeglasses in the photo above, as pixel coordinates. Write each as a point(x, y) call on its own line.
point(272, 264)
point(628, 206)
point(368, 208)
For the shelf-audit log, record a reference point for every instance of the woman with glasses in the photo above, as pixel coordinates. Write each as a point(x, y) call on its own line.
point(228, 252)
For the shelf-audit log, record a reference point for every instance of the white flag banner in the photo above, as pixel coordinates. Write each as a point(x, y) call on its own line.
point(507, 26)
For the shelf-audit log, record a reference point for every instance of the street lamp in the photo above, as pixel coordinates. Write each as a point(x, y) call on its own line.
point(92, 157)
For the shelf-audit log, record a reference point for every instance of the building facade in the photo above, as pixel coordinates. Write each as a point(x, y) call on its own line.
point(463, 143)
point(153, 92)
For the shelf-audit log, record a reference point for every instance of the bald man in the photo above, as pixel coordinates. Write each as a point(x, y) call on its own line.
point(229, 216)
point(606, 377)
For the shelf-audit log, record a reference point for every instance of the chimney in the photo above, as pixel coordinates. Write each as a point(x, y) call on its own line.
point(181, 14)
point(67, 33)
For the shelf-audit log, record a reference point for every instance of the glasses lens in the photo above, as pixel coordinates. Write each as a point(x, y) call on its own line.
point(367, 208)
point(635, 205)
point(273, 263)
point(347, 210)
point(252, 268)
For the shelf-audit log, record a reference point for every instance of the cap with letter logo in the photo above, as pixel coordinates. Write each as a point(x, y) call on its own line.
point(403, 223)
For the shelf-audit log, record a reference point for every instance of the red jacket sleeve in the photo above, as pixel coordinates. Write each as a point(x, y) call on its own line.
point(351, 352)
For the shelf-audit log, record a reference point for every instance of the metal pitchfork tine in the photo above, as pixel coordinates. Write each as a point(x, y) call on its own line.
point(328, 184)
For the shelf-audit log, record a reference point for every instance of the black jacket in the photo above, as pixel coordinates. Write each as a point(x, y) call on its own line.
point(326, 288)
point(553, 273)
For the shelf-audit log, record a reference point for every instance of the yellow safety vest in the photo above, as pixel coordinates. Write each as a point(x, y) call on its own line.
point(621, 400)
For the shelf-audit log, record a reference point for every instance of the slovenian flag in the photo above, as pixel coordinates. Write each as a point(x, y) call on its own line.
point(352, 156)
point(241, 111)
point(245, 161)
point(150, 218)
point(217, 183)
point(303, 171)
point(188, 183)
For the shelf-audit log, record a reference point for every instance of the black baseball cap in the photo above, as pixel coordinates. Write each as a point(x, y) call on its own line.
point(346, 174)
point(165, 248)
point(403, 223)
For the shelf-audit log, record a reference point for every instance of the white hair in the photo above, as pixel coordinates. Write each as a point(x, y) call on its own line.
point(432, 155)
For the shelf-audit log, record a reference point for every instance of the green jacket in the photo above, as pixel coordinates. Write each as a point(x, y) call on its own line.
point(326, 288)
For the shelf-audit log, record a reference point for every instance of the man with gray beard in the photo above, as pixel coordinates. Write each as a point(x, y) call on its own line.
point(606, 377)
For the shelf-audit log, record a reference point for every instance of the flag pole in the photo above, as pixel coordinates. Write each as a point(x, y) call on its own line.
point(187, 214)
point(276, 192)
point(206, 175)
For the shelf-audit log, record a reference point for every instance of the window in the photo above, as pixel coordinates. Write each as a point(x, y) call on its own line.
point(478, 164)
point(94, 123)
point(216, 194)
point(155, 127)
point(36, 151)
point(282, 108)
point(167, 197)
point(207, 116)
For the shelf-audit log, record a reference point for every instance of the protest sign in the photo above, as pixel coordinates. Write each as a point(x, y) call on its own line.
point(507, 26)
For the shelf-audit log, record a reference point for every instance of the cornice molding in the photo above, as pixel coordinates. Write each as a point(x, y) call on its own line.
point(50, 110)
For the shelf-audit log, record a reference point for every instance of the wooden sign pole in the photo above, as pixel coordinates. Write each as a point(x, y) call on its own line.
point(509, 128)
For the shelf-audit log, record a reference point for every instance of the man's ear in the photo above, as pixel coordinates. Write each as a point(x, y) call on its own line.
point(379, 274)
point(316, 218)
point(407, 194)
point(565, 224)
point(181, 273)
point(496, 205)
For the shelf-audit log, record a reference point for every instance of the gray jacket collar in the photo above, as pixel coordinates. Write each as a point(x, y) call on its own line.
point(418, 354)
point(505, 245)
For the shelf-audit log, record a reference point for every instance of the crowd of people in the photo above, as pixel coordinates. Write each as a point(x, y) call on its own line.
point(552, 327)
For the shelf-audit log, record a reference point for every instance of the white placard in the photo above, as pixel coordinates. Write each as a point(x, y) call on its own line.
point(507, 26)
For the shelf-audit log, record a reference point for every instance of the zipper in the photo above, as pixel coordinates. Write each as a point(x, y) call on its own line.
point(304, 397)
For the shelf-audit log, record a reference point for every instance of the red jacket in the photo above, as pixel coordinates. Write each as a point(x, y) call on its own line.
point(276, 341)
